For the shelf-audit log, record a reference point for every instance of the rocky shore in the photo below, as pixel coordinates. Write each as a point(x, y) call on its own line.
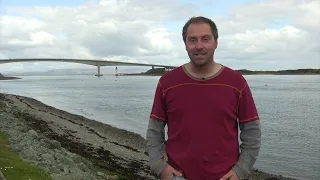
point(69, 146)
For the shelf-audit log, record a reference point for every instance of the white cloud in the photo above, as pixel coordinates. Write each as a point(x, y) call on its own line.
point(248, 41)
point(260, 35)
point(160, 40)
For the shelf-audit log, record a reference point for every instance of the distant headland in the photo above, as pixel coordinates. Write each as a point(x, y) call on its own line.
point(282, 72)
point(161, 71)
point(2, 77)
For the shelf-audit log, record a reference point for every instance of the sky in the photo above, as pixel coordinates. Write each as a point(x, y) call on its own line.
point(254, 35)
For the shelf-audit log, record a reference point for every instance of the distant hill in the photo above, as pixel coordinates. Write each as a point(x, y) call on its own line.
point(161, 71)
point(155, 71)
point(150, 72)
point(2, 77)
point(281, 72)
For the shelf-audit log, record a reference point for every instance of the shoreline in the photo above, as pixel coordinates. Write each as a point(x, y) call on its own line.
point(117, 151)
point(141, 74)
point(113, 152)
point(8, 78)
point(161, 71)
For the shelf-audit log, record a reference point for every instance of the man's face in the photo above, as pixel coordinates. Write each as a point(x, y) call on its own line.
point(200, 43)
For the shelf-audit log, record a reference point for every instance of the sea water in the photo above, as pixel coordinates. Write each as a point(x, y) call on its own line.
point(288, 105)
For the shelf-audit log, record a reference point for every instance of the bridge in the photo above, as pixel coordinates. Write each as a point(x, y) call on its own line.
point(97, 63)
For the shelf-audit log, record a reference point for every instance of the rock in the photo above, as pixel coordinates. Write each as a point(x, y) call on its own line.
point(13, 110)
point(110, 177)
point(2, 97)
point(24, 129)
point(67, 161)
point(75, 170)
point(37, 149)
point(66, 170)
point(100, 174)
point(60, 166)
point(83, 167)
point(47, 156)
point(43, 164)
point(30, 153)
point(53, 144)
point(33, 132)
point(58, 156)
point(54, 169)
point(3, 105)
point(79, 176)
point(44, 153)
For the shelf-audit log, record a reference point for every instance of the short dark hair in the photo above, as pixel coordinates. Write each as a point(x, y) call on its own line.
point(200, 19)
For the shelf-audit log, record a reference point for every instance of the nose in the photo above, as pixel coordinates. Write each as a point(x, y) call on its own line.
point(199, 45)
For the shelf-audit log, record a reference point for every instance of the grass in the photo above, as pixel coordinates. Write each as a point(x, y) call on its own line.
point(14, 168)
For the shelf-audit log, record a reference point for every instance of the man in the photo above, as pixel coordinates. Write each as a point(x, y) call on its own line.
point(203, 103)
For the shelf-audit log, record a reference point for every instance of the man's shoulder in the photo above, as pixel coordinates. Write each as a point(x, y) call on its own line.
point(170, 76)
point(233, 72)
point(234, 77)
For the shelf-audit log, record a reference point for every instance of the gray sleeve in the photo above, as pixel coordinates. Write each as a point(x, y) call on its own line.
point(250, 137)
point(156, 146)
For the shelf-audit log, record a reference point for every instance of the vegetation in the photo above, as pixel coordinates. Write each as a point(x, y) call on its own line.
point(14, 168)
point(161, 71)
point(151, 72)
point(2, 77)
point(156, 71)
point(281, 72)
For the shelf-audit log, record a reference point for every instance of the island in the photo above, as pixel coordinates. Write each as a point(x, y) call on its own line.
point(2, 77)
point(281, 72)
point(161, 71)
point(151, 72)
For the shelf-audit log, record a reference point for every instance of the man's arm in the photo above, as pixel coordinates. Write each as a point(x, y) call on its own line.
point(250, 137)
point(250, 133)
point(156, 146)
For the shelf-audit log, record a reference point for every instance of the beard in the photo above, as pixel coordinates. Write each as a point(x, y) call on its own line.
point(200, 59)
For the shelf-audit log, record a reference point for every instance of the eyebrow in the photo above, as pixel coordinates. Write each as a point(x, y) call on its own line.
point(207, 35)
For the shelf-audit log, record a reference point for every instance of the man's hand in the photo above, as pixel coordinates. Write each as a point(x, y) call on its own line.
point(231, 175)
point(169, 172)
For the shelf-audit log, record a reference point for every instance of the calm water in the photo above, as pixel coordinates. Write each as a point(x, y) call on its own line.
point(289, 109)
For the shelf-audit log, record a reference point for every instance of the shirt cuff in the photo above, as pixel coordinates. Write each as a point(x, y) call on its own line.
point(241, 173)
point(158, 166)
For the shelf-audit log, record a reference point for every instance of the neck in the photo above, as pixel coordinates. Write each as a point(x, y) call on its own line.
point(203, 71)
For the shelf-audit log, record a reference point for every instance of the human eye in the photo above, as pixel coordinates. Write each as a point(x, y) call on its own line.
point(207, 38)
point(192, 40)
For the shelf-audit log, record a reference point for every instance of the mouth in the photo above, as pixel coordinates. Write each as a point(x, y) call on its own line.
point(199, 54)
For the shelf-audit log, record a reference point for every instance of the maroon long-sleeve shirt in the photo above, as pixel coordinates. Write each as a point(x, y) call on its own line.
point(202, 118)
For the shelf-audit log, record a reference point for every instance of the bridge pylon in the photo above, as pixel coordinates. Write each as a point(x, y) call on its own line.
point(99, 74)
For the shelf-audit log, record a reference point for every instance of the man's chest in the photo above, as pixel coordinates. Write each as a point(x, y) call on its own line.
point(197, 100)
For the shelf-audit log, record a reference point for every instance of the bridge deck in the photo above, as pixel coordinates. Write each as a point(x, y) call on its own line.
point(84, 61)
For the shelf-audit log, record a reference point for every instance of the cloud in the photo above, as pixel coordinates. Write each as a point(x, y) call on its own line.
point(248, 37)
point(258, 35)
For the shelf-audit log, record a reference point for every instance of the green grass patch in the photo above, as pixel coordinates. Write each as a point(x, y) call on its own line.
point(14, 168)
